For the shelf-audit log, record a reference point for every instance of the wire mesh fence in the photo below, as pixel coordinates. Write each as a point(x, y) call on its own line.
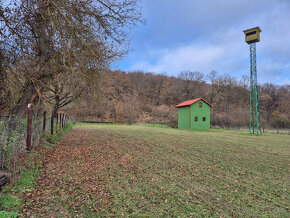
point(12, 143)
point(19, 135)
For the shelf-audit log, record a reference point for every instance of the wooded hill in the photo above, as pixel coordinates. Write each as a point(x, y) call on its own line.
point(139, 97)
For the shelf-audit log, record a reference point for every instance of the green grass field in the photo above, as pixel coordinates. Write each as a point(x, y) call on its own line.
point(152, 171)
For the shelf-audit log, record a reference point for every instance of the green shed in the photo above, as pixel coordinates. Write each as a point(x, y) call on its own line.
point(194, 114)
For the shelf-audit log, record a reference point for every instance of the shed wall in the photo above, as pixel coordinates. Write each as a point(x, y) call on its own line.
point(183, 117)
point(200, 112)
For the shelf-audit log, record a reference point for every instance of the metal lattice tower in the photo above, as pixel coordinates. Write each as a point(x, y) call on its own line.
point(253, 36)
point(254, 94)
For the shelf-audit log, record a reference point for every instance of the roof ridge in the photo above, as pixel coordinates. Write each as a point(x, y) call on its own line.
point(190, 102)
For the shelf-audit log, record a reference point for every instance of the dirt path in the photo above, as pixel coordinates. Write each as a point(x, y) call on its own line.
point(71, 181)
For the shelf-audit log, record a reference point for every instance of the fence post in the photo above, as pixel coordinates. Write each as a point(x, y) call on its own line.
point(29, 127)
point(51, 124)
point(63, 120)
point(56, 125)
point(60, 120)
point(62, 126)
point(44, 122)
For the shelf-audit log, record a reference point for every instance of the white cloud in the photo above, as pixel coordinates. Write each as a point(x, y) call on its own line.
point(184, 58)
point(216, 54)
point(207, 35)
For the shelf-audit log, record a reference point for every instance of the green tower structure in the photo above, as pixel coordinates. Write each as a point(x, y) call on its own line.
point(252, 37)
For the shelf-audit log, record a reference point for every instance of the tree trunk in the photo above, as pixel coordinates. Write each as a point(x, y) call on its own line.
point(28, 96)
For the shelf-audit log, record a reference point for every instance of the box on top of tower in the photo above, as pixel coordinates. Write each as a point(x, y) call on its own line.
point(252, 35)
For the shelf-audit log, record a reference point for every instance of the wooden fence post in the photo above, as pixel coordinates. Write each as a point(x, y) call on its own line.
point(44, 122)
point(56, 125)
point(60, 120)
point(63, 121)
point(29, 127)
point(51, 124)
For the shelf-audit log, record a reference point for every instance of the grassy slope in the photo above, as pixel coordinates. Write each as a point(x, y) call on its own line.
point(211, 173)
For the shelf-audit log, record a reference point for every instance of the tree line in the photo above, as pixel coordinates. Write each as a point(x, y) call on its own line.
point(150, 98)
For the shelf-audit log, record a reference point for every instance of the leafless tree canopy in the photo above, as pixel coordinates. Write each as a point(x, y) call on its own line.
point(46, 38)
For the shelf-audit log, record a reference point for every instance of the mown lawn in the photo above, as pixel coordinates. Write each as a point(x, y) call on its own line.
point(135, 170)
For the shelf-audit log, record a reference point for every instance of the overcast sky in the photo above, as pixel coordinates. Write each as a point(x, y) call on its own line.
point(206, 35)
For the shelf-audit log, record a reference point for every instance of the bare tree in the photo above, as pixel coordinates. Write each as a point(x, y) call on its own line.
point(228, 84)
point(269, 100)
point(215, 85)
point(39, 30)
point(190, 83)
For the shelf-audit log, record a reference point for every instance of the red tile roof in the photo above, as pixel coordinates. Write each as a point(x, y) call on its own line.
point(190, 102)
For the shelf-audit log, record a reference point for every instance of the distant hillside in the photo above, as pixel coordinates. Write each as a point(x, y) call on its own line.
point(150, 98)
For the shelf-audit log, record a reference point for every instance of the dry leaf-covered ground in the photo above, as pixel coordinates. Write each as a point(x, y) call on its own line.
point(131, 170)
point(72, 181)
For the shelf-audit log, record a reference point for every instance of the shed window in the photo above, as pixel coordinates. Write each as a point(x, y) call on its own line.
point(251, 33)
point(200, 104)
point(196, 118)
point(204, 119)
